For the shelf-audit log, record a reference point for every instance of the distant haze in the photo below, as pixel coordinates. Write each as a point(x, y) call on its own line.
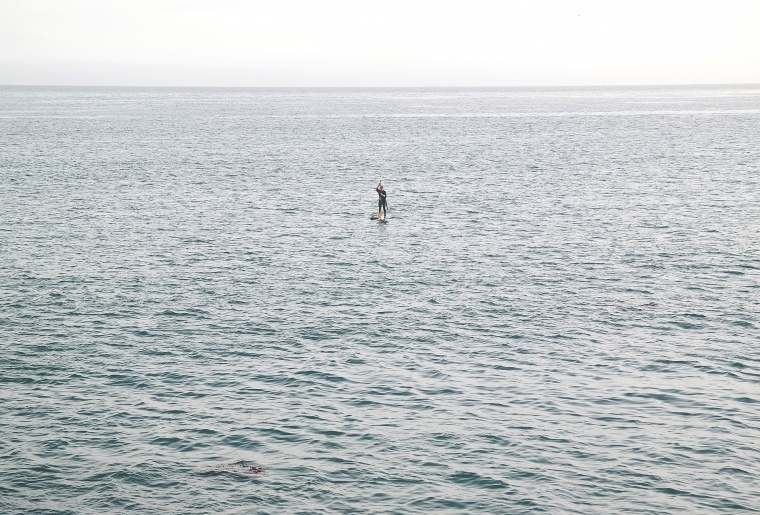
point(378, 42)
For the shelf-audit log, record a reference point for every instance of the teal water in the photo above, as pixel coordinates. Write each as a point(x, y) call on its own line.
point(560, 315)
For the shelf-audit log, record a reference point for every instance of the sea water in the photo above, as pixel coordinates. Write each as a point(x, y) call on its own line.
point(560, 315)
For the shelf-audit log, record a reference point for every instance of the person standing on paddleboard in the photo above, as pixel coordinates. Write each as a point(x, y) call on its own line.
point(382, 205)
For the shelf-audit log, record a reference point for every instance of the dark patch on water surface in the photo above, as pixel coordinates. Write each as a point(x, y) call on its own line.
point(238, 467)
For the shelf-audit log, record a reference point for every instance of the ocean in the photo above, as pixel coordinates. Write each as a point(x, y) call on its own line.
point(560, 315)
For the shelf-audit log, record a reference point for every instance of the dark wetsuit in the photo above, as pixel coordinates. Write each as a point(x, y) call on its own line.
point(382, 205)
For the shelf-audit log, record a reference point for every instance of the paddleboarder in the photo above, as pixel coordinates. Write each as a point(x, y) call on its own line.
point(382, 204)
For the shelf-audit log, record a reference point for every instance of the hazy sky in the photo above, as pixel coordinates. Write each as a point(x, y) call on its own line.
point(378, 42)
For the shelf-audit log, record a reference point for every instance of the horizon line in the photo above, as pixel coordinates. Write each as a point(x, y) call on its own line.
point(636, 85)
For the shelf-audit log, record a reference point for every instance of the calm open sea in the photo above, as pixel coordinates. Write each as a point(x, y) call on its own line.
point(561, 314)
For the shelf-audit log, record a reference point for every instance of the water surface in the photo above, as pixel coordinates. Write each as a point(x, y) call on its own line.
point(560, 315)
